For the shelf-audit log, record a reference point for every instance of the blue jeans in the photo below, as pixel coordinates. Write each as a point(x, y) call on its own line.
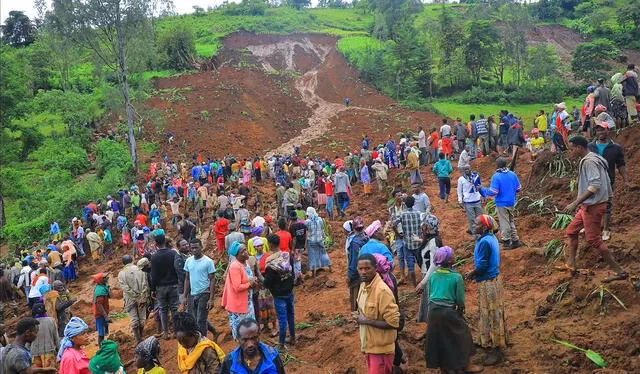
point(404, 255)
point(102, 326)
point(285, 308)
point(445, 187)
point(330, 200)
point(343, 201)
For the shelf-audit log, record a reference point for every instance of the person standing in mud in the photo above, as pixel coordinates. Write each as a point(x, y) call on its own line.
point(612, 152)
point(594, 193)
point(378, 316)
point(422, 145)
point(492, 325)
point(164, 282)
point(505, 186)
point(133, 282)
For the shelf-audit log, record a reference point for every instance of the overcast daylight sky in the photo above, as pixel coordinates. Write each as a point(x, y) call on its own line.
point(182, 6)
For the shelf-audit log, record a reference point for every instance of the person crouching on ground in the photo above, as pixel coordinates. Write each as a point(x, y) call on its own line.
point(196, 353)
point(448, 344)
point(378, 316)
point(536, 144)
point(251, 355)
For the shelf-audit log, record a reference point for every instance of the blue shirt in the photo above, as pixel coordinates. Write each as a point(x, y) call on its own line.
point(504, 186)
point(374, 246)
point(55, 228)
point(443, 168)
point(357, 242)
point(486, 258)
point(195, 172)
point(600, 146)
point(504, 125)
point(199, 271)
point(268, 365)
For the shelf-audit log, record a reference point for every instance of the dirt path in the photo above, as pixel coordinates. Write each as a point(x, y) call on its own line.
point(288, 52)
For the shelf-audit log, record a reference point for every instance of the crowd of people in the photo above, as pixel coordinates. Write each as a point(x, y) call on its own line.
point(170, 272)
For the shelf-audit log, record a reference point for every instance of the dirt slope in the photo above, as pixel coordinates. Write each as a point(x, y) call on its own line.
point(309, 100)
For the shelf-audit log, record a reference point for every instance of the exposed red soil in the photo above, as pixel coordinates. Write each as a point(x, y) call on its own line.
point(332, 345)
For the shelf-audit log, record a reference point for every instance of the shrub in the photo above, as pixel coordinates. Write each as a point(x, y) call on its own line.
point(63, 154)
point(112, 155)
point(176, 47)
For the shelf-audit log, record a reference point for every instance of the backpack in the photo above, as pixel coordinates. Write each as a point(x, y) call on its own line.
point(203, 173)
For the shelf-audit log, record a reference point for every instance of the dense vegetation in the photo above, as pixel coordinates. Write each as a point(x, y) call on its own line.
point(84, 67)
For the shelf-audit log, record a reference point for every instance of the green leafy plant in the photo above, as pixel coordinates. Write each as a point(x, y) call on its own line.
point(539, 205)
point(560, 291)
point(491, 208)
point(601, 291)
point(591, 355)
point(118, 315)
point(562, 221)
point(303, 325)
point(553, 250)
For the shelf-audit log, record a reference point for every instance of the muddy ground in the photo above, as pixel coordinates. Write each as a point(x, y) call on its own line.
point(291, 91)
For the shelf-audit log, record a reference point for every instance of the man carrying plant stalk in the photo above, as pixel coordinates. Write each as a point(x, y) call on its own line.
point(611, 152)
point(594, 191)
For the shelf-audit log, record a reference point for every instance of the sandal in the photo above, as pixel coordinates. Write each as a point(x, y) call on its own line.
point(620, 276)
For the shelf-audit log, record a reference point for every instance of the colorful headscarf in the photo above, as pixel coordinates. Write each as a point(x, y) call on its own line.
point(107, 359)
point(384, 268)
point(256, 231)
point(149, 350)
point(444, 255)
point(75, 327)
point(235, 248)
point(373, 228)
point(432, 222)
point(487, 221)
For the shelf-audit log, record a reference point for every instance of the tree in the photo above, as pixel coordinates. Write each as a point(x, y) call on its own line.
point(588, 61)
point(390, 14)
point(480, 43)
point(518, 22)
point(109, 28)
point(543, 62)
point(450, 38)
point(18, 30)
point(176, 47)
point(297, 4)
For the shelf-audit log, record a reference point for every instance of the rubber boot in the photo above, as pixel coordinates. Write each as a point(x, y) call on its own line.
point(412, 278)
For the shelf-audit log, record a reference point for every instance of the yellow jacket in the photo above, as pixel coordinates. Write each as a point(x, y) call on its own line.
point(376, 301)
point(412, 161)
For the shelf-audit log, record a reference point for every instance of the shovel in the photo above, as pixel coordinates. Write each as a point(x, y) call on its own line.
point(591, 355)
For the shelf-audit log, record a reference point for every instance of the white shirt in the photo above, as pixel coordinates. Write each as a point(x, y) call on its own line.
point(445, 131)
point(258, 222)
point(422, 139)
point(467, 192)
point(24, 276)
point(35, 290)
point(464, 160)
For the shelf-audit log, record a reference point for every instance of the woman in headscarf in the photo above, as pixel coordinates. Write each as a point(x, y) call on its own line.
point(587, 110)
point(257, 233)
point(69, 271)
point(618, 107)
point(237, 295)
point(73, 358)
point(147, 357)
point(492, 325)
point(107, 359)
point(448, 344)
point(196, 353)
point(154, 214)
point(318, 257)
point(266, 310)
point(46, 345)
point(385, 269)
point(431, 241)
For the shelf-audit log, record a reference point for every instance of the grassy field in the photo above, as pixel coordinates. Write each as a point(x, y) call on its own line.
point(526, 111)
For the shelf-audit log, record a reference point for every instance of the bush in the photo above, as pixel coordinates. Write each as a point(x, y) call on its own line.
point(421, 105)
point(245, 8)
point(479, 95)
point(176, 47)
point(111, 155)
point(62, 154)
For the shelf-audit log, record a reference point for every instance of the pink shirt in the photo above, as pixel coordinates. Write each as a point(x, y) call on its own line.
point(74, 361)
point(235, 298)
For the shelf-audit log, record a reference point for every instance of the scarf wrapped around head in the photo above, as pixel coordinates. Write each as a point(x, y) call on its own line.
point(384, 267)
point(431, 222)
point(75, 327)
point(38, 310)
point(256, 231)
point(235, 248)
point(188, 360)
point(149, 350)
point(444, 255)
point(486, 221)
point(107, 359)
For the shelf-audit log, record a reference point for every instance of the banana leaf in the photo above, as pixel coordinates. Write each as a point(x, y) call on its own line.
point(591, 355)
